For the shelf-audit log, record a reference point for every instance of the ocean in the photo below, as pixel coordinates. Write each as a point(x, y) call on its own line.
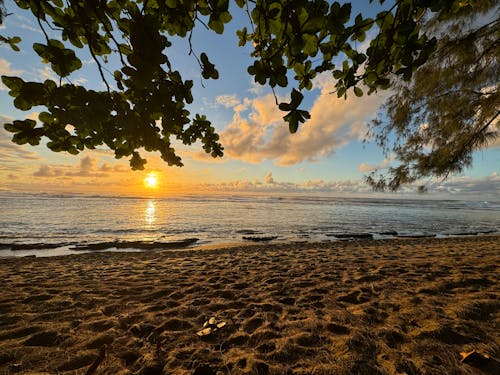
point(45, 225)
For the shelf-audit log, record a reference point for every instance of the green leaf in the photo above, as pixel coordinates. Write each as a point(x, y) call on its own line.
point(293, 121)
point(296, 98)
point(310, 44)
point(358, 92)
point(337, 74)
point(208, 69)
point(370, 77)
point(225, 17)
point(216, 25)
point(13, 83)
point(294, 118)
point(285, 106)
point(46, 118)
point(63, 60)
point(204, 58)
point(22, 104)
point(242, 35)
point(136, 162)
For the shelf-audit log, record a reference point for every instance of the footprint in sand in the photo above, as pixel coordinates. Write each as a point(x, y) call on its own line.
point(251, 325)
point(18, 333)
point(355, 297)
point(99, 341)
point(81, 360)
point(308, 340)
point(176, 325)
point(338, 329)
point(46, 338)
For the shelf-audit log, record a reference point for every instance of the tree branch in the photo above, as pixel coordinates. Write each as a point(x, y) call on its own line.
point(470, 142)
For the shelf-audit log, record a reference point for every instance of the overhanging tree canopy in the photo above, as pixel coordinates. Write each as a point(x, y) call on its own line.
point(450, 107)
point(148, 107)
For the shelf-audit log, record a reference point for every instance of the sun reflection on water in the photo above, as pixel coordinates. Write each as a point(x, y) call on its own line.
point(150, 214)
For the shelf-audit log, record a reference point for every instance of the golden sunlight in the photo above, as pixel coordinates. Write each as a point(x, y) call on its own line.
point(151, 181)
point(150, 215)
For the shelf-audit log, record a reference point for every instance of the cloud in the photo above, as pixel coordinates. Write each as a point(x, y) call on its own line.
point(26, 23)
point(79, 81)
point(227, 101)
point(13, 157)
point(87, 167)
point(270, 185)
point(87, 164)
point(494, 127)
point(46, 73)
point(263, 135)
point(256, 88)
point(465, 185)
point(268, 178)
point(6, 70)
point(47, 171)
point(364, 167)
point(494, 143)
point(89, 61)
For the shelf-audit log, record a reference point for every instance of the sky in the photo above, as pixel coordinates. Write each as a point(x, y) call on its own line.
point(329, 155)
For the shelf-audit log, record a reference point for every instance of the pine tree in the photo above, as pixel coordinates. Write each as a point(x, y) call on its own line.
point(450, 108)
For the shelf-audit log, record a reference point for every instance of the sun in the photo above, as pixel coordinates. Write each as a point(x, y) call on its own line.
point(151, 181)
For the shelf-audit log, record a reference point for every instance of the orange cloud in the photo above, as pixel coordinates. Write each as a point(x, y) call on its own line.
point(263, 135)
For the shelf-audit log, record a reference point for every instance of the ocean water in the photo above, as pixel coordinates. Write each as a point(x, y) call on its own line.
point(55, 224)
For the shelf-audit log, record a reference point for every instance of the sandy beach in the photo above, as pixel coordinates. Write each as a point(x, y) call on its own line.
point(403, 306)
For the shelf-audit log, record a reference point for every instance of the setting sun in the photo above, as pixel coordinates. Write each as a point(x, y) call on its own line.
point(151, 181)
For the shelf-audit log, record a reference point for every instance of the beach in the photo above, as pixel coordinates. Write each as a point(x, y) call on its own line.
point(395, 306)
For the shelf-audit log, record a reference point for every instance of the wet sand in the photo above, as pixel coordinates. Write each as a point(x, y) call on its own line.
point(355, 307)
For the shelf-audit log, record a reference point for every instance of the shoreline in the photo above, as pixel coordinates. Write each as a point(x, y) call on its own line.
point(193, 244)
point(385, 306)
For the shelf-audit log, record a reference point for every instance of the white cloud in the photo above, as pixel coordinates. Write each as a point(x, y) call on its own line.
point(46, 73)
point(270, 185)
point(88, 62)
point(79, 81)
point(455, 187)
point(465, 185)
point(26, 23)
point(256, 88)
point(227, 101)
